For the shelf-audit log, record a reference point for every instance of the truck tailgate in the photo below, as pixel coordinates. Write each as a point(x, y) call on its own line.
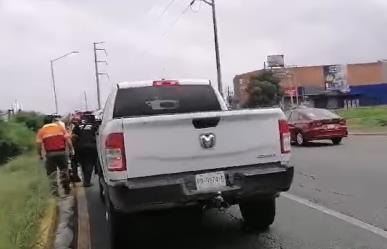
point(171, 144)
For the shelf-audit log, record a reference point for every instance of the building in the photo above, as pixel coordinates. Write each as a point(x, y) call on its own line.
point(327, 86)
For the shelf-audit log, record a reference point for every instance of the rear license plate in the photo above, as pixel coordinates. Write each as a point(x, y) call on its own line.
point(331, 126)
point(210, 181)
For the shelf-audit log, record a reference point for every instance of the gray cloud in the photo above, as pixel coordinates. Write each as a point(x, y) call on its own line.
point(143, 45)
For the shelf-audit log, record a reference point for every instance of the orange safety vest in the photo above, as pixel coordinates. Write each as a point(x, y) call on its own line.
point(53, 137)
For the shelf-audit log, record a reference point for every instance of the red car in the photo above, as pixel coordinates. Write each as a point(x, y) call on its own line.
point(307, 124)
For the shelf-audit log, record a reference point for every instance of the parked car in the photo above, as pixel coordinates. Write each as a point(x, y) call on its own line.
point(172, 143)
point(308, 124)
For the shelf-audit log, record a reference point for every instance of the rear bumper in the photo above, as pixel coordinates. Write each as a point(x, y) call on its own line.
point(320, 134)
point(179, 190)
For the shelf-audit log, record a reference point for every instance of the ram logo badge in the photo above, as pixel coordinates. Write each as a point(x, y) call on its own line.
point(207, 141)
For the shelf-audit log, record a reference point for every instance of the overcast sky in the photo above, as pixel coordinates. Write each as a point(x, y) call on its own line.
point(144, 44)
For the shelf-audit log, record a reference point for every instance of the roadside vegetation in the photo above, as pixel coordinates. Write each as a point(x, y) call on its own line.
point(17, 135)
point(23, 197)
point(367, 119)
point(24, 189)
point(263, 90)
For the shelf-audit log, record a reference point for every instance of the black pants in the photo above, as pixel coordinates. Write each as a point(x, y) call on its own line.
point(54, 161)
point(74, 169)
point(88, 159)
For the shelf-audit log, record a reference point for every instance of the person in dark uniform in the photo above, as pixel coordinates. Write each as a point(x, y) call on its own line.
point(86, 147)
point(74, 177)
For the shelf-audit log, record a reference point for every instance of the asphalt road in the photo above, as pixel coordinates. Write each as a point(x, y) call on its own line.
point(349, 178)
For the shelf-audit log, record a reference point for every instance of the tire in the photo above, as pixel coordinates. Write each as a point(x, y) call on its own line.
point(117, 227)
point(101, 189)
point(258, 214)
point(193, 217)
point(337, 141)
point(300, 140)
point(101, 181)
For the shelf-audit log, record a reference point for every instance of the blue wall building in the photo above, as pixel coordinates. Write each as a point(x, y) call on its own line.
point(375, 94)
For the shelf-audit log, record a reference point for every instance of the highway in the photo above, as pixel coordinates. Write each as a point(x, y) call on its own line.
point(337, 201)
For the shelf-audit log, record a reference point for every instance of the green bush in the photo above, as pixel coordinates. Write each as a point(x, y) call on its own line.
point(8, 150)
point(15, 138)
point(32, 120)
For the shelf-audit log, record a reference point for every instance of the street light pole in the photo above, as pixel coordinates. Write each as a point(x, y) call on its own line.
point(53, 77)
point(53, 86)
point(217, 53)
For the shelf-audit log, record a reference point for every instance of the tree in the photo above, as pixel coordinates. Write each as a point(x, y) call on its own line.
point(263, 90)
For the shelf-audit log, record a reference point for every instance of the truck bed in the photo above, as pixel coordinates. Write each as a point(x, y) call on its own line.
point(169, 144)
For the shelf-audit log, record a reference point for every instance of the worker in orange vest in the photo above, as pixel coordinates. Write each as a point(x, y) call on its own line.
point(55, 140)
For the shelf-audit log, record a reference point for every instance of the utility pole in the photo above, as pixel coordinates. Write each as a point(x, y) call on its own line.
point(97, 73)
point(229, 95)
point(217, 53)
point(86, 105)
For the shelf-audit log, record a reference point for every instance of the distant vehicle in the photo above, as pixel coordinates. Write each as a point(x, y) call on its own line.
point(172, 143)
point(80, 115)
point(308, 124)
point(98, 115)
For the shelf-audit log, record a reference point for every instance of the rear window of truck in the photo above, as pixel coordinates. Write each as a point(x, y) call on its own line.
point(148, 101)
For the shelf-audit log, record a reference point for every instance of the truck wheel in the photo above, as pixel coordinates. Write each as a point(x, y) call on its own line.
point(117, 227)
point(194, 217)
point(337, 140)
point(258, 214)
point(101, 189)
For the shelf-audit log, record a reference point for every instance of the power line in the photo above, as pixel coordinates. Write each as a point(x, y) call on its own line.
point(143, 51)
point(199, 8)
point(166, 8)
point(178, 18)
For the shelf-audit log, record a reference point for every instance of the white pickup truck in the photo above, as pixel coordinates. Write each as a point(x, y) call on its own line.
point(173, 143)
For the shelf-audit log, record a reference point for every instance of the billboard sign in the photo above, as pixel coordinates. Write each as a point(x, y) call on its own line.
point(335, 78)
point(275, 60)
point(290, 91)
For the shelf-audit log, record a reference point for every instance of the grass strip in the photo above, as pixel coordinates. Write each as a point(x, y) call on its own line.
point(371, 119)
point(24, 195)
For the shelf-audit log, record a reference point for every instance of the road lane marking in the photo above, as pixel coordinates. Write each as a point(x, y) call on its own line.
point(338, 215)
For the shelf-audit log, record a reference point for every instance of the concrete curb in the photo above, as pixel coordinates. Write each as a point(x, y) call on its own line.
point(65, 230)
point(47, 228)
point(367, 134)
point(83, 227)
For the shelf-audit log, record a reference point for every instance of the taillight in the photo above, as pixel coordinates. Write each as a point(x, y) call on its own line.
point(284, 136)
point(115, 152)
point(158, 83)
